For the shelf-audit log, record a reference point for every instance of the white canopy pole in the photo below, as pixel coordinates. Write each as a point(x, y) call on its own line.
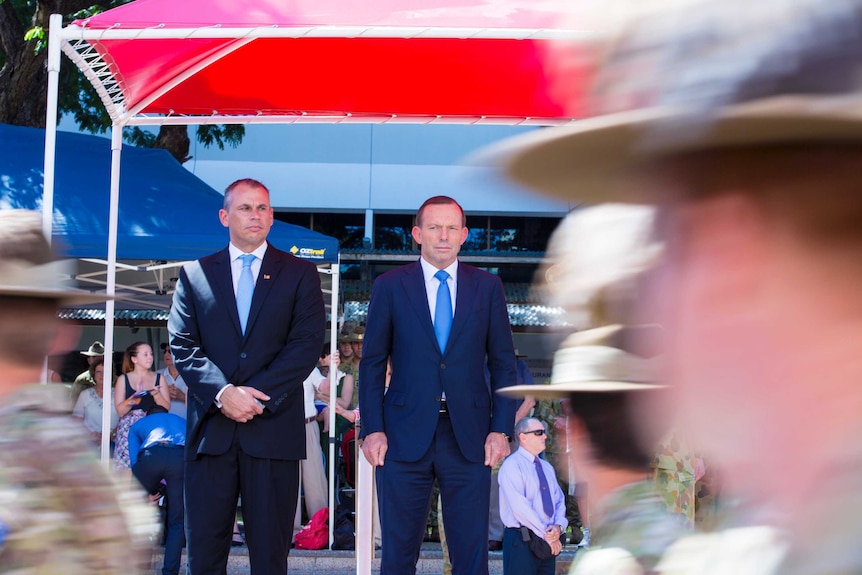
point(364, 518)
point(333, 388)
point(54, 53)
point(113, 214)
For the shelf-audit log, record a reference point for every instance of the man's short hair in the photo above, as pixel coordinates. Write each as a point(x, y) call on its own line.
point(523, 425)
point(439, 201)
point(610, 420)
point(251, 182)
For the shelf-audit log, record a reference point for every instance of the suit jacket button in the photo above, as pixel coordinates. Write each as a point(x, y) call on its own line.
point(442, 366)
point(242, 355)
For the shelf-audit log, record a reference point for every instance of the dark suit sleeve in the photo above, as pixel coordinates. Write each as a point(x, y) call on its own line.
point(501, 360)
point(376, 348)
point(298, 357)
point(203, 378)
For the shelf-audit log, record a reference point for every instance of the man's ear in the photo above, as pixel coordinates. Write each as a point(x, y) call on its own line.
point(416, 232)
point(222, 217)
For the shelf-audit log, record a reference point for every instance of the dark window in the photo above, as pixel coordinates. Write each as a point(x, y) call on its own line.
point(393, 232)
point(348, 229)
point(477, 238)
point(509, 233)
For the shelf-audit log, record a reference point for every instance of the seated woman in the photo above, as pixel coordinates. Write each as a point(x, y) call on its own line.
point(89, 404)
point(138, 390)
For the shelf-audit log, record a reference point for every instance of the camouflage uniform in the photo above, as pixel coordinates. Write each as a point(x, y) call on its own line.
point(59, 510)
point(634, 521)
point(82, 382)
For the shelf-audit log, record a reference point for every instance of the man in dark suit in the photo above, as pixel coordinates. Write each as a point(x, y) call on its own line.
point(246, 327)
point(438, 419)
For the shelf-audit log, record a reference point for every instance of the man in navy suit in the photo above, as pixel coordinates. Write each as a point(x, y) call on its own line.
point(438, 418)
point(245, 332)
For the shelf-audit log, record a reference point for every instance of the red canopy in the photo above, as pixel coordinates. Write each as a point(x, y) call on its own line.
point(328, 60)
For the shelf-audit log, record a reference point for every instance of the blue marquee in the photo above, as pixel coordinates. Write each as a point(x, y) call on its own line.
point(165, 212)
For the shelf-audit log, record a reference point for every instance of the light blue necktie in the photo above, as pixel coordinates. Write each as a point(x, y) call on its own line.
point(244, 290)
point(443, 311)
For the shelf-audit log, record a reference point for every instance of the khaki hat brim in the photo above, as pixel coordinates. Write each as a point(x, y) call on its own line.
point(591, 161)
point(561, 390)
point(64, 297)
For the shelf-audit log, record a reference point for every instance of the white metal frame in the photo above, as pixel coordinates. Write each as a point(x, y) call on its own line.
point(73, 41)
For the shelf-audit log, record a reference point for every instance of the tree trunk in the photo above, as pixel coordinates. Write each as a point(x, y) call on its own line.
point(175, 139)
point(24, 75)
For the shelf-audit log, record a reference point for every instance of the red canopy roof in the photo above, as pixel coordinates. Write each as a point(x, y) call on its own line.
point(415, 60)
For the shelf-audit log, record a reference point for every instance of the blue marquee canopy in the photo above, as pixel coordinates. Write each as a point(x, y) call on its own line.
point(165, 212)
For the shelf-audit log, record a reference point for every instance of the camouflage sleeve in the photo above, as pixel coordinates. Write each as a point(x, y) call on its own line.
point(60, 511)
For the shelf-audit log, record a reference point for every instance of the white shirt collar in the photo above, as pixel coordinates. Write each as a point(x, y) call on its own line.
point(428, 270)
point(235, 252)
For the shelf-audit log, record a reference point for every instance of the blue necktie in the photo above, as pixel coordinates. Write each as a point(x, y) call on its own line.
point(443, 311)
point(547, 504)
point(244, 290)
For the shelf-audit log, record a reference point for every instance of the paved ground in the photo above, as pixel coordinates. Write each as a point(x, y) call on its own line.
point(325, 562)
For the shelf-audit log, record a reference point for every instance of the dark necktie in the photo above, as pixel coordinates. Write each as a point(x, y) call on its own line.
point(547, 504)
point(245, 290)
point(443, 311)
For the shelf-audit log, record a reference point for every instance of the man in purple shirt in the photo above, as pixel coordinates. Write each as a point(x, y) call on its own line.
point(530, 497)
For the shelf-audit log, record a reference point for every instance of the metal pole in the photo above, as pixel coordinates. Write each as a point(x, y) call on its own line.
point(113, 214)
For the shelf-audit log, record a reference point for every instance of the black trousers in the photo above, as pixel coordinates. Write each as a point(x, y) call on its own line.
point(269, 490)
point(153, 465)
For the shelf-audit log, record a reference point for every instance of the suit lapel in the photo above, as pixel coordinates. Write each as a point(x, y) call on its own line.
point(222, 280)
point(465, 300)
point(269, 269)
point(414, 286)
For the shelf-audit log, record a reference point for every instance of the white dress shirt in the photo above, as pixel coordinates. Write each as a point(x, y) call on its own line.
point(235, 271)
point(236, 263)
point(432, 283)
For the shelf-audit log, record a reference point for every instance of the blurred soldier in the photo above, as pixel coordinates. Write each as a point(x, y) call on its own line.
point(744, 127)
point(60, 511)
point(606, 386)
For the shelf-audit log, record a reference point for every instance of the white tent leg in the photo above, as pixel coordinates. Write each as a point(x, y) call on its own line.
point(333, 387)
point(364, 527)
point(54, 53)
point(116, 150)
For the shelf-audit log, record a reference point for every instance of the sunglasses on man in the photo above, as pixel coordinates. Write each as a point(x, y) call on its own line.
point(536, 432)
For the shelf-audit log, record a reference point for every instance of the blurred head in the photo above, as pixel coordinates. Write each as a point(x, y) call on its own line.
point(604, 429)
point(743, 128)
point(531, 435)
point(30, 292)
point(247, 214)
point(757, 292)
point(440, 230)
point(140, 355)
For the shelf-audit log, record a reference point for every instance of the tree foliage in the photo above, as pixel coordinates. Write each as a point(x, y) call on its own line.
point(24, 80)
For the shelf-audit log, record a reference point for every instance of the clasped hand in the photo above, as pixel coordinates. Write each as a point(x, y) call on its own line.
point(242, 403)
point(552, 536)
